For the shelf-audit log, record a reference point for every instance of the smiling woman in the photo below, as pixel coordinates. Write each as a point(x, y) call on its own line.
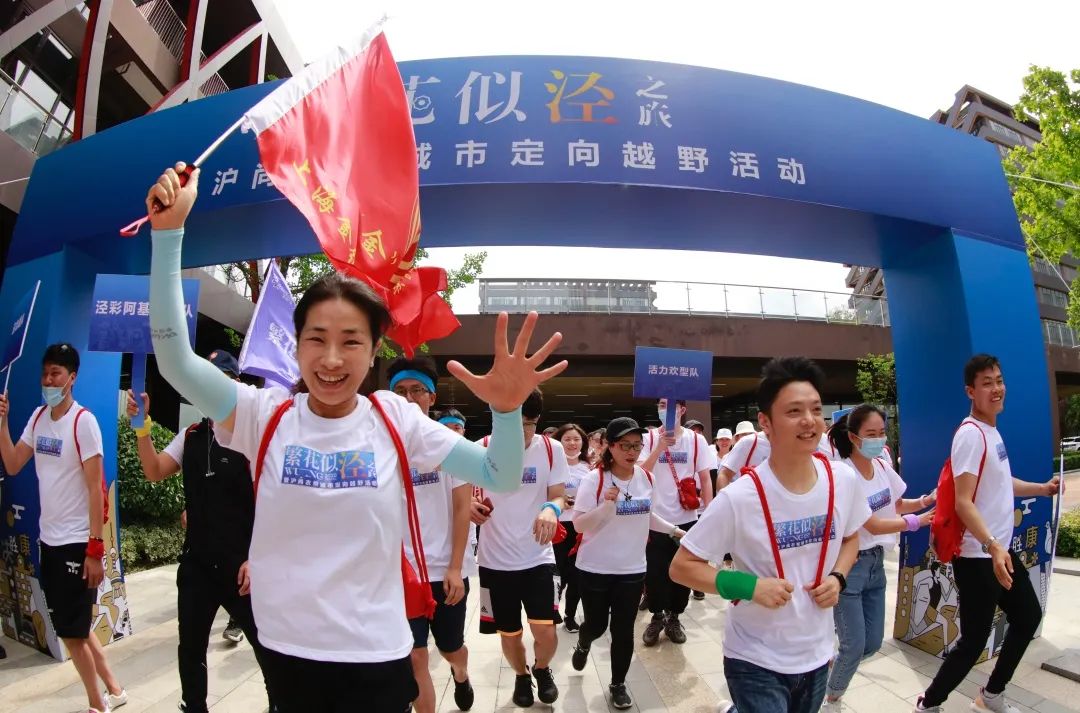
point(328, 522)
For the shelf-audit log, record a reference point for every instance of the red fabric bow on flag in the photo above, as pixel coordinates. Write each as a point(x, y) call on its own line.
point(337, 141)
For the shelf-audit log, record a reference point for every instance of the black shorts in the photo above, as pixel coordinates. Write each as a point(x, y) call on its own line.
point(448, 625)
point(502, 594)
point(70, 602)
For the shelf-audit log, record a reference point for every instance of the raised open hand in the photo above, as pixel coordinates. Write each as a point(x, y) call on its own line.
point(513, 375)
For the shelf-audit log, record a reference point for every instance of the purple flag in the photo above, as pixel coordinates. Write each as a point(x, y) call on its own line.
point(269, 348)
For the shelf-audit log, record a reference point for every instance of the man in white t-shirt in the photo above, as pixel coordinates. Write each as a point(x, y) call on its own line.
point(517, 563)
point(684, 456)
point(751, 449)
point(65, 442)
point(442, 503)
point(988, 574)
point(779, 637)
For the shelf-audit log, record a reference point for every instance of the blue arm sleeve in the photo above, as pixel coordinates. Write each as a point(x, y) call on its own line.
point(195, 379)
point(497, 467)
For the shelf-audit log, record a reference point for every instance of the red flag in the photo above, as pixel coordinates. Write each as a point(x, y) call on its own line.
point(337, 141)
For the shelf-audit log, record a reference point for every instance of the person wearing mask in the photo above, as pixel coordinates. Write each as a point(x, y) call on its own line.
point(859, 442)
point(989, 575)
point(328, 582)
point(573, 439)
point(218, 517)
point(792, 526)
point(64, 440)
point(680, 456)
point(517, 563)
point(443, 507)
point(614, 513)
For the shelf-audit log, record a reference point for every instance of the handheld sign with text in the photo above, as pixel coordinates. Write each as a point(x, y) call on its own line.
point(672, 374)
point(120, 322)
point(16, 335)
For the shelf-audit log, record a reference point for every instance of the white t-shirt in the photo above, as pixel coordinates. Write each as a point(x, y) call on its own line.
point(749, 452)
point(574, 474)
point(883, 493)
point(994, 501)
point(65, 503)
point(507, 543)
point(618, 547)
point(665, 494)
point(329, 522)
point(797, 637)
point(175, 449)
point(434, 492)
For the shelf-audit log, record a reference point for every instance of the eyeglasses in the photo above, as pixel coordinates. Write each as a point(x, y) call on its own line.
point(414, 391)
point(630, 447)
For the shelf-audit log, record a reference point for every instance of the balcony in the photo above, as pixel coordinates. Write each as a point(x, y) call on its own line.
point(29, 123)
point(689, 298)
point(162, 18)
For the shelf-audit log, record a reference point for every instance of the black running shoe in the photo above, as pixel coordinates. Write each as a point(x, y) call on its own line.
point(571, 625)
point(674, 629)
point(546, 690)
point(463, 693)
point(652, 631)
point(579, 657)
point(620, 697)
point(523, 694)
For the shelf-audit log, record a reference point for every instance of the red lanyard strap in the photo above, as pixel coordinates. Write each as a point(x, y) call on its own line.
point(772, 530)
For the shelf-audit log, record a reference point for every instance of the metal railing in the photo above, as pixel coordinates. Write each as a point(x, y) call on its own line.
point(162, 18)
point(32, 125)
point(691, 298)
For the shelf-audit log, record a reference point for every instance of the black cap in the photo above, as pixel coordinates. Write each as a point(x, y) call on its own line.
point(619, 427)
point(225, 361)
point(691, 423)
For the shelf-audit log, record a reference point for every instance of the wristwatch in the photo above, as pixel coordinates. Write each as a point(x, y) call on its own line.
point(986, 545)
point(839, 578)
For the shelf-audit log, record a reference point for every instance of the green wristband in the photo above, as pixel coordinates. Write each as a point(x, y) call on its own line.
point(733, 585)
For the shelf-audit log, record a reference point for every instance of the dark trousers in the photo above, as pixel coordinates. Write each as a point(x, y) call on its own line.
point(566, 564)
point(202, 588)
point(663, 594)
point(305, 686)
point(615, 596)
point(979, 594)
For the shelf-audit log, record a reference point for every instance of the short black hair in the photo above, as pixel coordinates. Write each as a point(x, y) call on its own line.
point(781, 371)
point(851, 423)
point(978, 364)
point(62, 354)
point(678, 402)
point(448, 413)
point(424, 364)
point(534, 404)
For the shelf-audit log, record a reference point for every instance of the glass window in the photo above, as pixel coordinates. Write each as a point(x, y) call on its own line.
point(38, 90)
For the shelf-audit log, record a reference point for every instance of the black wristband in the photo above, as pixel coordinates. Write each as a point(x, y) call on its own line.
point(839, 578)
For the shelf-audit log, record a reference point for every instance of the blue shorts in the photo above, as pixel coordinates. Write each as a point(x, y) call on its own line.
point(447, 626)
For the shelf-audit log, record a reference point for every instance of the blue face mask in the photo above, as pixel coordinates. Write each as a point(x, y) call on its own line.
point(662, 413)
point(871, 447)
point(53, 395)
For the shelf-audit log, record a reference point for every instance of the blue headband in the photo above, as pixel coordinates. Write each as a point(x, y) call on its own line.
point(413, 374)
point(452, 420)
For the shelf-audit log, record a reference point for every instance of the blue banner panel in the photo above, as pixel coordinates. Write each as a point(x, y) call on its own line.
point(120, 318)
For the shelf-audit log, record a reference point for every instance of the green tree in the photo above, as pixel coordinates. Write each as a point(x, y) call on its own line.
point(875, 378)
point(140, 500)
point(1072, 415)
point(1046, 179)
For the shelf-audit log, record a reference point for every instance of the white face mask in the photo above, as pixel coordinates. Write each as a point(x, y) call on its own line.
point(662, 413)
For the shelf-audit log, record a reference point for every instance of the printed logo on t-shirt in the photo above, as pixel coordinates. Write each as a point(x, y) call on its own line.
point(528, 476)
point(633, 507)
point(49, 446)
point(675, 457)
point(1002, 455)
point(431, 478)
point(879, 500)
point(572, 483)
point(330, 471)
point(805, 531)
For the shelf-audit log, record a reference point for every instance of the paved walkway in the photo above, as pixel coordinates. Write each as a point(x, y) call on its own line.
point(686, 679)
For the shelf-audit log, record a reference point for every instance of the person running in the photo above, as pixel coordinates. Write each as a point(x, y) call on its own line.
point(792, 526)
point(681, 456)
point(614, 513)
point(219, 514)
point(442, 503)
point(65, 442)
point(988, 574)
point(572, 437)
point(859, 441)
point(517, 563)
point(328, 581)
point(750, 449)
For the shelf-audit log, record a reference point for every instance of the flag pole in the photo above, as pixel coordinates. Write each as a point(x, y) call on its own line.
point(130, 231)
